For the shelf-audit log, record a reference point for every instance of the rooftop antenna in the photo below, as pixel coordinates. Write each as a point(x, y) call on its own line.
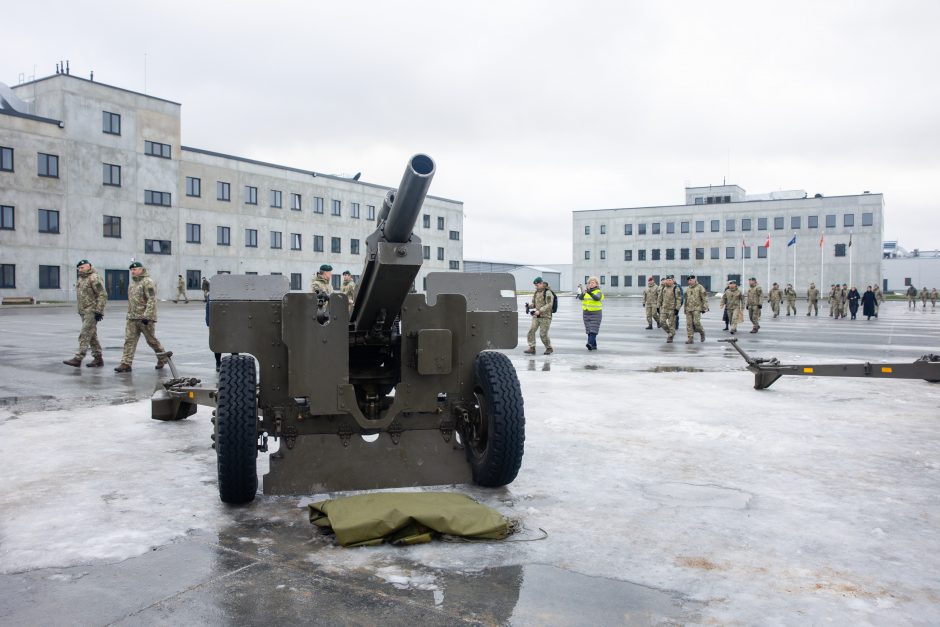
point(56, 68)
point(67, 70)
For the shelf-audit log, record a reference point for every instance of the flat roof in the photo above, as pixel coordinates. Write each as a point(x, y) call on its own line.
point(727, 204)
point(79, 78)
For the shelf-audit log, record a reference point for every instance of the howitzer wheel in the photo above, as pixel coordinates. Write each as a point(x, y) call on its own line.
point(495, 431)
point(236, 430)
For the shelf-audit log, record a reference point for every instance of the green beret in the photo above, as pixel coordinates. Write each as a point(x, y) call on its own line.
point(669, 276)
point(752, 279)
point(136, 264)
point(537, 279)
point(326, 268)
point(345, 272)
point(82, 263)
point(691, 276)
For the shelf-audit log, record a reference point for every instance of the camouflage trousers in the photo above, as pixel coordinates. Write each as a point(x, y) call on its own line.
point(791, 304)
point(88, 337)
point(911, 302)
point(837, 311)
point(775, 307)
point(693, 323)
point(132, 332)
point(753, 312)
point(650, 312)
point(181, 294)
point(540, 323)
point(812, 306)
point(732, 317)
point(667, 320)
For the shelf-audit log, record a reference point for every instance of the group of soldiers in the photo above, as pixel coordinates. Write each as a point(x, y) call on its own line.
point(924, 293)
point(141, 319)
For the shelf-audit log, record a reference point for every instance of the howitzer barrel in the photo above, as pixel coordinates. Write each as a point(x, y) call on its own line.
point(408, 199)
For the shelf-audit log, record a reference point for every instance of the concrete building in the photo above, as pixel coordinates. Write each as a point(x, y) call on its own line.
point(93, 171)
point(524, 275)
point(722, 233)
point(919, 268)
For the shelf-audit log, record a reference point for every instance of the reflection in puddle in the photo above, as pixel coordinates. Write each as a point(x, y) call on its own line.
point(546, 367)
point(674, 369)
point(592, 367)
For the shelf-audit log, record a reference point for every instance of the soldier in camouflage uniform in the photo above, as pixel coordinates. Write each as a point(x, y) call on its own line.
point(755, 299)
point(812, 299)
point(322, 286)
point(181, 289)
point(696, 303)
point(650, 298)
point(92, 298)
point(835, 298)
point(879, 298)
point(911, 297)
point(775, 296)
point(790, 294)
point(541, 310)
point(933, 297)
point(732, 301)
point(349, 288)
point(669, 302)
point(924, 293)
point(141, 317)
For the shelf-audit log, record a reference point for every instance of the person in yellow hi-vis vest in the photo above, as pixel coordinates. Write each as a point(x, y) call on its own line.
point(592, 302)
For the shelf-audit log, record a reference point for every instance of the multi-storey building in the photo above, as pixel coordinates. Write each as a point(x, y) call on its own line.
point(721, 233)
point(89, 170)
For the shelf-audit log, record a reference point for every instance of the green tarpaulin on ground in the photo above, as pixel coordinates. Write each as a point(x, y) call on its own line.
point(406, 518)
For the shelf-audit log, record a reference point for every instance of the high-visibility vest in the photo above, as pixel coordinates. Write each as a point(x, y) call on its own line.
point(589, 304)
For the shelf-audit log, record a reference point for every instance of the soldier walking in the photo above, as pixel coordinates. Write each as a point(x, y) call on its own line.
point(812, 300)
point(923, 296)
point(790, 294)
point(775, 296)
point(832, 299)
point(879, 298)
point(670, 301)
point(933, 298)
point(205, 289)
point(696, 303)
point(911, 297)
point(836, 302)
point(540, 309)
point(349, 288)
point(844, 299)
point(181, 290)
point(91, 298)
point(732, 301)
point(755, 299)
point(141, 317)
point(650, 298)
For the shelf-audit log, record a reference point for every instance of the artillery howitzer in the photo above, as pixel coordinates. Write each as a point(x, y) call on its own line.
point(401, 391)
point(766, 371)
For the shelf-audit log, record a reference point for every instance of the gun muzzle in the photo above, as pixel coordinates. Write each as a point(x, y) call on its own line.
point(408, 199)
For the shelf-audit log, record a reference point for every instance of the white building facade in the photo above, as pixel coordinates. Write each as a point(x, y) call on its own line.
point(722, 233)
point(92, 171)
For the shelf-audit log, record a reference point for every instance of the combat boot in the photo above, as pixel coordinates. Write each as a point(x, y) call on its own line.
point(529, 351)
point(753, 330)
point(97, 362)
point(702, 333)
point(689, 341)
point(649, 326)
point(669, 340)
point(75, 362)
point(160, 364)
point(123, 368)
point(548, 351)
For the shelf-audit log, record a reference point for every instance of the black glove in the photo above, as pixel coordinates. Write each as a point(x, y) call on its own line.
point(322, 298)
point(99, 317)
point(145, 321)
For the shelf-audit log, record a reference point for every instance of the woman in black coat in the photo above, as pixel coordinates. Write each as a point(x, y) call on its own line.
point(853, 298)
point(869, 302)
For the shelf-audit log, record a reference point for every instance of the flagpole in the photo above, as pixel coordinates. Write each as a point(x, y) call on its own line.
point(794, 262)
point(743, 243)
point(850, 260)
point(822, 250)
point(767, 284)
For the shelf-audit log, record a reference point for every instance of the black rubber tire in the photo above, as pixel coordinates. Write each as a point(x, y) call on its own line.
point(495, 448)
point(236, 430)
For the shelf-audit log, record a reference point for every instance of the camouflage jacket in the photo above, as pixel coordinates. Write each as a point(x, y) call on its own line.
point(180, 283)
point(812, 294)
point(732, 299)
point(879, 297)
point(90, 293)
point(542, 301)
point(775, 295)
point(142, 298)
point(651, 295)
point(320, 285)
point(696, 299)
point(670, 298)
point(755, 295)
point(790, 293)
point(349, 289)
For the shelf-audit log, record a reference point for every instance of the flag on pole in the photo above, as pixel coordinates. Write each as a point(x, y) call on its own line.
point(850, 240)
point(743, 243)
point(767, 243)
point(792, 241)
point(821, 238)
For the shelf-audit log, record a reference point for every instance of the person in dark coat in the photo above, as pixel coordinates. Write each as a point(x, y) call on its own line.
point(592, 301)
point(869, 304)
point(218, 356)
point(853, 297)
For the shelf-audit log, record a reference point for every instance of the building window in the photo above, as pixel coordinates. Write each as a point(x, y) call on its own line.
point(683, 227)
point(603, 254)
point(831, 221)
point(868, 219)
point(640, 280)
point(848, 219)
point(761, 252)
point(745, 224)
point(296, 281)
point(700, 226)
point(700, 253)
point(761, 224)
point(318, 243)
point(729, 225)
point(641, 254)
point(715, 252)
point(628, 280)
point(778, 224)
point(193, 187)
point(276, 240)
point(193, 279)
point(656, 229)
point(715, 226)
point(251, 195)
point(729, 252)
point(454, 265)
point(295, 241)
point(670, 230)
point(223, 191)
point(337, 208)
point(370, 212)
point(840, 250)
point(670, 254)
point(628, 229)
point(699, 200)
point(317, 204)
point(110, 123)
point(654, 254)
point(251, 238)
point(440, 223)
point(157, 246)
point(156, 149)
point(336, 245)
point(746, 252)
point(152, 197)
point(587, 254)
point(111, 174)
point(276, 199)
point(6, 159)
point(812, 222)
point(7, 276)
point(223, 236)
point(48, 221)
point(112, 226)
point(193, 233)
point(426, 220)
point(48, 165)
point(440, 254)
point(603, 229)
point(336, 281)
point(614, 280)
point(641, 229)
point(587, 229)
point(354, 210)
point(353, 247)
point(628, 255)
point(7, 222)
point(603, 279)
point(795, 222)
point(296, 203)
point(455, 235)
point(48, 277)
point(426, 252)
point(684, 254)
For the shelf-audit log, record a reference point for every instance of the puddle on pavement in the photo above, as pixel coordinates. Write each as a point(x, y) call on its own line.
point(675, 369)
point(696, 495)
point(6, 401)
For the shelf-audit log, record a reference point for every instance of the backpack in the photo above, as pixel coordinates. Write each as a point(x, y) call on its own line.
point(554, 302)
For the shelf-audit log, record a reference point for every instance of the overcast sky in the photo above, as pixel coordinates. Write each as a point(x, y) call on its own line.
point(534, 109)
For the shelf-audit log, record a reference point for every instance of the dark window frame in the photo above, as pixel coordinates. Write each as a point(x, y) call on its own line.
point(296, 202)
point(223, 191)
point(111, 226)
point(318, 243)
point(318, 204)
point(277, 240)
point(336, 245)
point(336, 207)
point(107, 123)
point(157, 149)
point(8, 276)
point(193, 279)
point(107, 174)
point(193, 233)
point(193, 187)
point(49, 280)
point(296, 241)
point(251, 195)
point(223, 236)
point(354, 210)
point(440, 253)
point(251, 238)
point(276, 199)
point(7, 218)
point(156, 247)
point(45, 224)
point(47, 165)
point(354, 246)
point(158, 199)
point(6, 157)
